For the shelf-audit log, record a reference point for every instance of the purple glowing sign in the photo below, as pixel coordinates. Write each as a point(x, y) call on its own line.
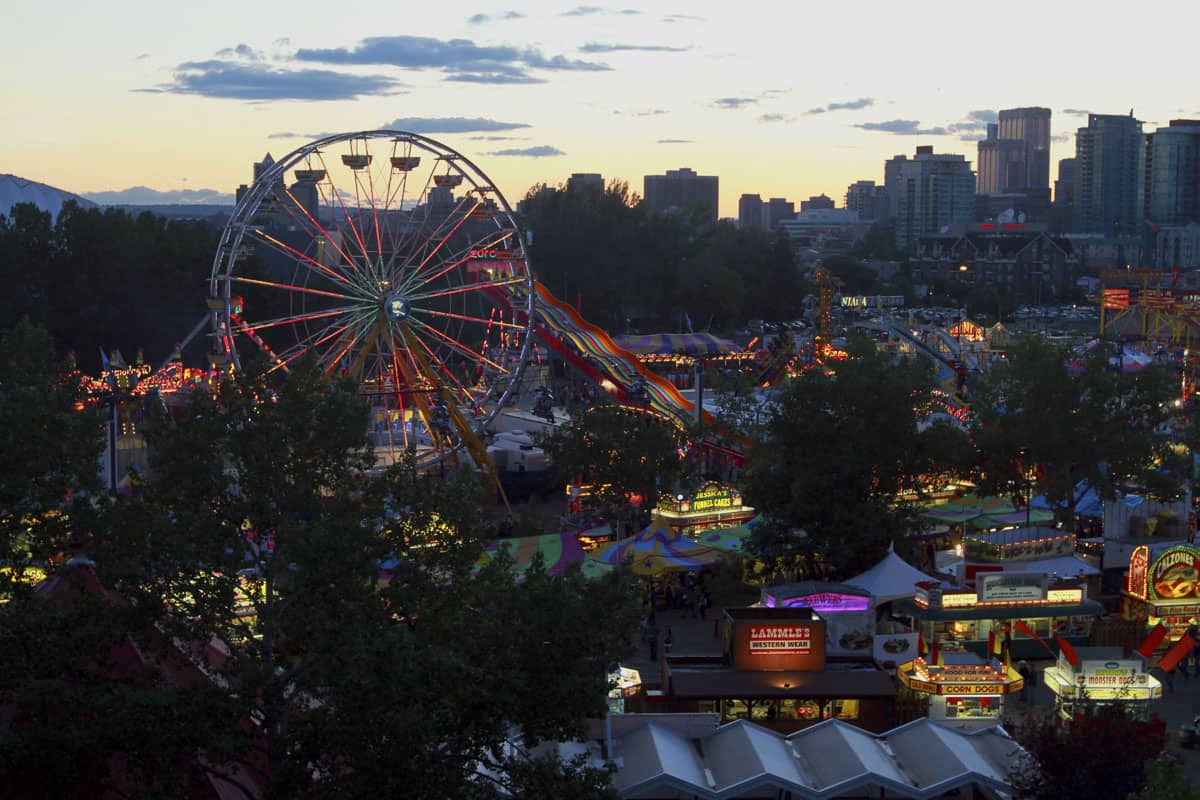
point(825, 601)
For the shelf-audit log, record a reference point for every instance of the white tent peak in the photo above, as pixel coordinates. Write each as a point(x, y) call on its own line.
point(892, 578)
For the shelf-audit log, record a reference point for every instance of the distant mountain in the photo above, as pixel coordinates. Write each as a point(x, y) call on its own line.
point(14, 190)
point(145, 196)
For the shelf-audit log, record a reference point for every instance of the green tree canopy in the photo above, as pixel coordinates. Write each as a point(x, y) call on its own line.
point(841, 450)
point(1063, 427)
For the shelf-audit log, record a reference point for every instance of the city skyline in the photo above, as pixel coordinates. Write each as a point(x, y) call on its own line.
point(789, 103)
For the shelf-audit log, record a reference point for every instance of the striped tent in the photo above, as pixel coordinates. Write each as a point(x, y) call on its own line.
point(656, 550)
point(688, 344)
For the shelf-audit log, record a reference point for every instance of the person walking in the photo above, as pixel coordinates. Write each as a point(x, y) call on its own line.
point(667, 642)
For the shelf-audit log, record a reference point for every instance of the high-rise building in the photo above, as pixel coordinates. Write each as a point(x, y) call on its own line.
point(1064, 186)
point(585, 182)
point(817, 201)
point(681, 190)
point(1001, 165)
point(1109, 158)
point(929, 193)
point(750, 211)
point(1173, 173)
point(869, 200)
point(776, 210)
point(1031, 126)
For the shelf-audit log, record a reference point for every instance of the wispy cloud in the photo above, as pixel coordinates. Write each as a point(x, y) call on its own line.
point(902, 127)
point(675, 141)
point(1062, 137)
point(598, 47)
point(734, 102)
point(850, 105)
point(1075, 112)
point(451, 124)
point(481, 19)
point(682, 18)
point(309, 136)
point(539, 151)
point(260, 82)
point(243, 51)
point(497, 138)
point(460, 59)
point(591, 11)
point(770, 118)
point(641, 112)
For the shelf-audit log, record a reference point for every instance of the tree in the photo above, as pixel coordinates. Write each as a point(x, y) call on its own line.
point(620, 452)
point(256, 552)
point(1102, 752)
point(1047, 426)
point(1166, 780)
point(841, 451)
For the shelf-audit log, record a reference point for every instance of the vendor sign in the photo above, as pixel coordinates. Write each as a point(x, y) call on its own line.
point(1011, 587)
point(1175, 575)
point(777, 639)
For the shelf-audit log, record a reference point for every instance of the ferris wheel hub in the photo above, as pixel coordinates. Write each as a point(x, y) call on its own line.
point(397, 307)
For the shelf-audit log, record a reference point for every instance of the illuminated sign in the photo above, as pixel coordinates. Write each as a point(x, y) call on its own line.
point(1139, 562)
point(713, 497)
point(873, 301)
point(1176, 575)
point(780, 639)
point(1074, 595)
point(959, 599)
point(1011, 587)
point(830, 601)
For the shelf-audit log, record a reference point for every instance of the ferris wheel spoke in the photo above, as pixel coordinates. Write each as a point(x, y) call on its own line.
point(455, 383)
point(314, 225)
point(457, 345)
point(310, 343)
point(467, 287)
point(363, 332)
point(469, 318)
point(310, 263)
point(290, 287)
point(459, 258)
point(294, 319)
point(429, 256)
point(336, 197)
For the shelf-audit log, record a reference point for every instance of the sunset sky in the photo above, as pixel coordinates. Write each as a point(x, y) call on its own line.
point(780, 99)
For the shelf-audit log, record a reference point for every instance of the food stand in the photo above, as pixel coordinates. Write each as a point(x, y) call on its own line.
point(849, 620)
point(716, 505)
point(961, 618)
point(1102, 675)
point(964, 689)
point(1163, 586)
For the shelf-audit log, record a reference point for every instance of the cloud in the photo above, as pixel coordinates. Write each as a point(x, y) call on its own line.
point(1077, 112)
point(769, 118)
point(975, 122)
point(480, 19)
point(674, 141)
point(312, 137)
point(461, 59)
point(239, 81)
point(145, 196)
point(641, 112)
point(902, 127)
point(849, 105)
point(597, 47)
point(540, 151)
point(141, 57)
point(735, 102)
point(451, 125)
point(497, 138)
point(243, 51)
point(1062, 137)
point(682, 18)
point(582, 11)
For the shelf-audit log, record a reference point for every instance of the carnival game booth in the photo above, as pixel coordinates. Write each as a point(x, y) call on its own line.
point(1102, 675)
point(774, 672)
point(716, 505)
point(1023, 609)
point(964, 690)
point(1163, 587)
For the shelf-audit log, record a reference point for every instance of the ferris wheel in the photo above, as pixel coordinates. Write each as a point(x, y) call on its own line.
point(389, 258)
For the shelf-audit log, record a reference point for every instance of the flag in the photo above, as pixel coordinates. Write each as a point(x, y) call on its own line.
point(922, 648)
point(1024, 628)
point(1152, 641)
point(1067, 650)
point(1178, 652)
point(994, 643)
point(935, 656)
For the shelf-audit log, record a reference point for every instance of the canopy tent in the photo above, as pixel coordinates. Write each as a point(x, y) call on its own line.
point(560, 550)
point(1089, 505)
point(688, 344)
point(891, 579)
point(658, 549)
point(1017, 516)
point(985, 512)
point(729, 540)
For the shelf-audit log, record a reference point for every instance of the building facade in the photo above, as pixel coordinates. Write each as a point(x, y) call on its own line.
point(1109, 187)
point(929, 193)
point(1173, 173)
point(1031, 127)
point(682, 190)
point(750, 211)
point(1028, 266)
point(868, 200)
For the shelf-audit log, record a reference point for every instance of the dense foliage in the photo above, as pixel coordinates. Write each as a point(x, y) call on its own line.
point(843, 454)
point(238, 625)
point(102, 278)
point(630, 269)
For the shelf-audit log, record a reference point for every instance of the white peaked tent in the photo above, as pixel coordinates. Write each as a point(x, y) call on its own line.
point(893, 578)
